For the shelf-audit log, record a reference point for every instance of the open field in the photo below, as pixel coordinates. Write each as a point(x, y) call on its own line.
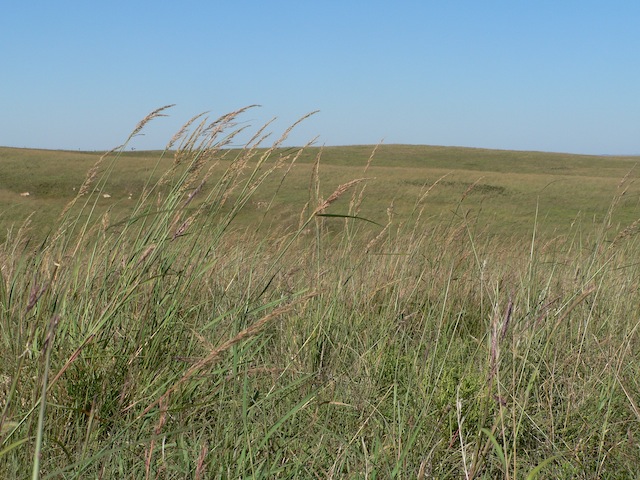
point(501, 189)
point(260, 313)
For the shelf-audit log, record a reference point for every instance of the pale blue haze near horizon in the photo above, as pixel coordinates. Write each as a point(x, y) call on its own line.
point(558, 76)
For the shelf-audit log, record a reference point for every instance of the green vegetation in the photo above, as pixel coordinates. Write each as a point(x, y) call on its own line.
point(264, 312)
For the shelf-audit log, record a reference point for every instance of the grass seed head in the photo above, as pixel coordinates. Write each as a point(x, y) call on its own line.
point(336, 195)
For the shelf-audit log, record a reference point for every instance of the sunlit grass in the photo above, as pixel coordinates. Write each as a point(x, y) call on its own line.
point(256, 312)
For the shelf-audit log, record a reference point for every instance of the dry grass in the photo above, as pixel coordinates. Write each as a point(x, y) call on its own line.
point(424, 345)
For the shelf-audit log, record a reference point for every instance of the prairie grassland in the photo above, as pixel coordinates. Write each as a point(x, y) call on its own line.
point(263, 312)
point(501, 189)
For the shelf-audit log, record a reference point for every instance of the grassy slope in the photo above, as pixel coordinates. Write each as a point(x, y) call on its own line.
point(508, 186)
point(449, 343)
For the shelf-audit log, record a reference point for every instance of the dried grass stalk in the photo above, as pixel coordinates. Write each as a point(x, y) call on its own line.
point(156, 113)
point(214, 355)
point(336, 195)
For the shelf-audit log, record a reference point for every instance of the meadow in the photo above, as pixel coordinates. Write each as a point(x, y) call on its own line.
point(226, 310)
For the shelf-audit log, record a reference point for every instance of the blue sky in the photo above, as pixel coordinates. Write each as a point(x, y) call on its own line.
point(527, 75)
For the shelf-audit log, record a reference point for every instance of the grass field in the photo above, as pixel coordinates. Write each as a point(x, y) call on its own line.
point(502, 190)
point(272, 312)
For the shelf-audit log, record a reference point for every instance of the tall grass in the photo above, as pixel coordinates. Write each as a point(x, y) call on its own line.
point(173, 343)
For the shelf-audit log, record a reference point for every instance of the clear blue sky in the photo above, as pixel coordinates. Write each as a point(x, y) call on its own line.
point(560, 75)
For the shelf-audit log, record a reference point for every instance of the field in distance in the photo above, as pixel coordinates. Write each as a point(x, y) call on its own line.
point(498, 191)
